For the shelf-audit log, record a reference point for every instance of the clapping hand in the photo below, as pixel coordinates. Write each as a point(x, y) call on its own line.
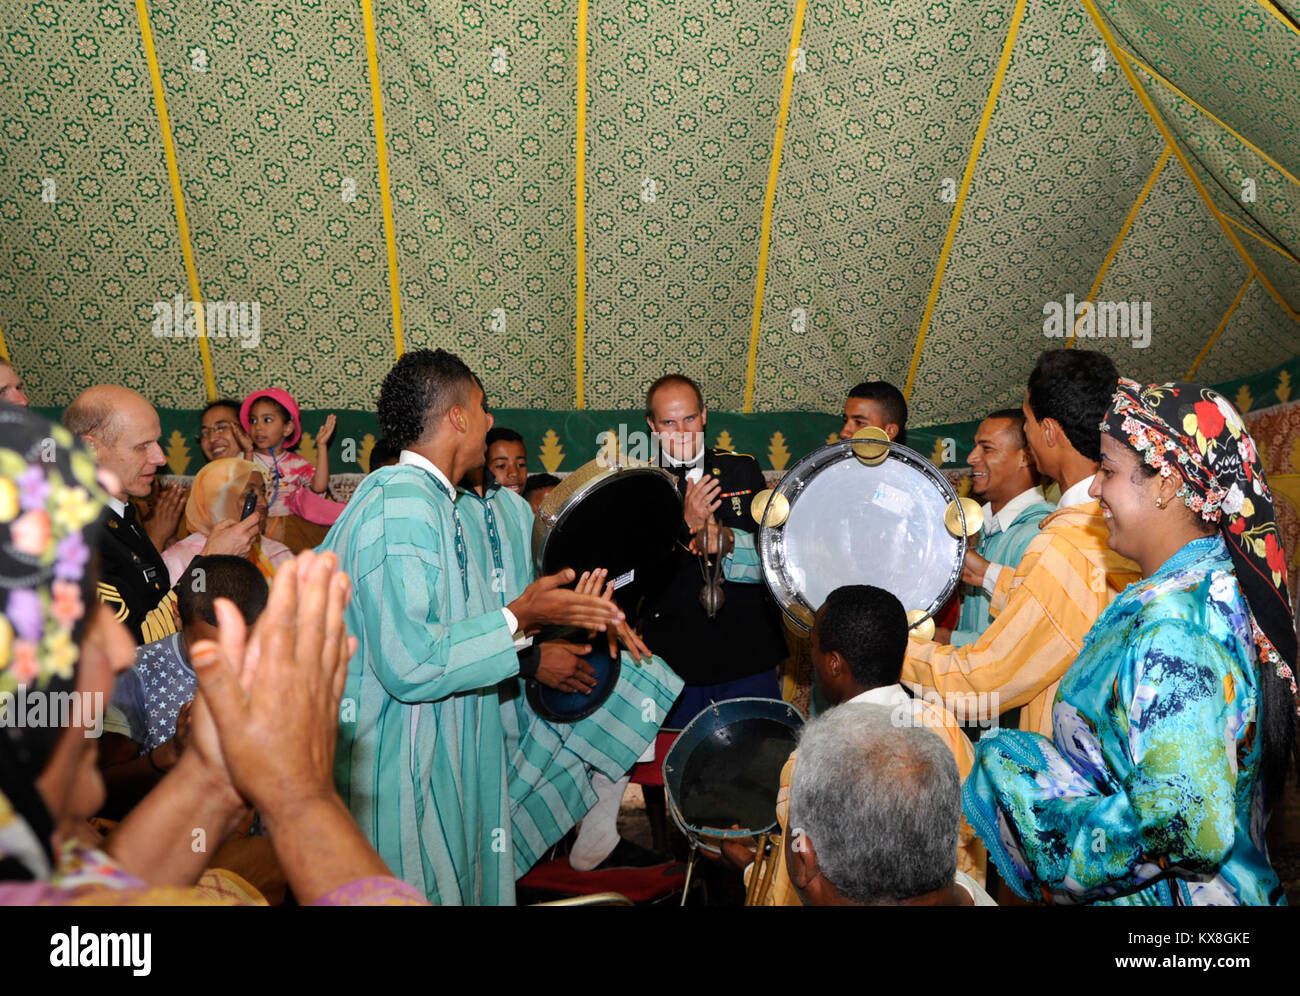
point(590, 584)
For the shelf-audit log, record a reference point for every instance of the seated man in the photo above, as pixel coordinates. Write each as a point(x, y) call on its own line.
point(147, 723)
point(875, 807)
point(858, 640)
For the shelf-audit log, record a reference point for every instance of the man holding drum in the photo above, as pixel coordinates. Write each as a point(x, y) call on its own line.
point(1003, 473)
point(421, 757)
point(1067, 575)
point(735, 653)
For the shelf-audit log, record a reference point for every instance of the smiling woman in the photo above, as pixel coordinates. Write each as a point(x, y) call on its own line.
point(1174, 728)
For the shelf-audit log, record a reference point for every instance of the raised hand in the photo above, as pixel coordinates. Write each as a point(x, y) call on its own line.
point(590, 584)
point(701, 501)
point(166, 514)
point(326, 432)
point(242, 440)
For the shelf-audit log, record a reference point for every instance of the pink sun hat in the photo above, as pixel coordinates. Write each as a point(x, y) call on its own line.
point(280, 395)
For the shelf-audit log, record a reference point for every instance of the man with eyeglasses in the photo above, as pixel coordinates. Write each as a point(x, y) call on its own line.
point(220, 434)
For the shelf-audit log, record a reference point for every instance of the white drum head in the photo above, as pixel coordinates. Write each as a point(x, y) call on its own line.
point(851, 523)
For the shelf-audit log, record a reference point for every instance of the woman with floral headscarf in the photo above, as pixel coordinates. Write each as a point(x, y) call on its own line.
point(263, 738)
point(218, 495)
point(1174, 728)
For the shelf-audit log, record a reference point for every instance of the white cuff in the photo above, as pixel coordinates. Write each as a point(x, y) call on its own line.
point(991, 577)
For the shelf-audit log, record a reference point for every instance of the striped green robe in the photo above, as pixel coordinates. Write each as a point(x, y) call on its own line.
point(550, 764)
point(421, 758)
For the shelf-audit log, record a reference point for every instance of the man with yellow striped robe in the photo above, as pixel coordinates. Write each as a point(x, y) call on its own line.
point(1043, 609)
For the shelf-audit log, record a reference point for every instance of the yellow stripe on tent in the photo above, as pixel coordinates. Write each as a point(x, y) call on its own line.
point(1259, 238)
point(580, 205)
point(1273, 9)
point(769, 200)
point(381, 153)
point(178, 196)
point(4, 347)
point(1123, 231)
point(1159, 122)
point(1223, 324)
point(1016, 17)
point(1209, 114)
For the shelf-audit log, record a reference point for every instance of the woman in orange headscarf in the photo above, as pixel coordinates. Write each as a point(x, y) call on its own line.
point(218, 494)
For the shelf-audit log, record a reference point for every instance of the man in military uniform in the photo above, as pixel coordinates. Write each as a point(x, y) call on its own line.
point(735, 653)
point(122, 430)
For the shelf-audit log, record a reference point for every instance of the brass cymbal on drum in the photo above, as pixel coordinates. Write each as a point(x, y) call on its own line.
point(925, 629)
point(875, 450)
point(974, 514)
point(780, 509)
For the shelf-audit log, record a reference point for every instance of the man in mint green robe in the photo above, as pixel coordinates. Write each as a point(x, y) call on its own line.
point(1003, 540)
point(550, 764)
point(1003, 475)
point(421, 757)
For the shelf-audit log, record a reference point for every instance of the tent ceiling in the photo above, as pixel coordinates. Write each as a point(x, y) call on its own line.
point(272, 123)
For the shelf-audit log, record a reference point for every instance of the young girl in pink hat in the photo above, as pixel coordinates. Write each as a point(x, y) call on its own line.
point(298, 506)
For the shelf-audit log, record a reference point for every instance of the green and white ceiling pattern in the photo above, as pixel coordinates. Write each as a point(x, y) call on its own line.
point(270, 112)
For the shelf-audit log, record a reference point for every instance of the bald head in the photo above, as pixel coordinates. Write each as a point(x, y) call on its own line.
point(123, 429)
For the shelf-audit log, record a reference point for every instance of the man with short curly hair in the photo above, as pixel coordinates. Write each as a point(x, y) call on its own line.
point(421, 757)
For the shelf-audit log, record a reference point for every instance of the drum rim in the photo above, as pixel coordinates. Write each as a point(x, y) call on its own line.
point(547, 523)
point(690, 831)
point(910, 456)
point(533, 692)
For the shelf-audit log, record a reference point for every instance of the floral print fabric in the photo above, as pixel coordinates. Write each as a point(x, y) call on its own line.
point(1147, 792)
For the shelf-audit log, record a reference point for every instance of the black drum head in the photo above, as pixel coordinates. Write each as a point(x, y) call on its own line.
point(569, 707)
point(627, 522)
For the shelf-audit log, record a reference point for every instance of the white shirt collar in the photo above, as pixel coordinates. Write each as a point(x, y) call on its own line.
point(411, 457)
point(1077, 493)
point(117, 506)
point(997, 522)
point(885, 695)
point(695, 466)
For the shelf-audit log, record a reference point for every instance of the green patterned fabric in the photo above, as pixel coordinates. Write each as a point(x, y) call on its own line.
point(270, 110)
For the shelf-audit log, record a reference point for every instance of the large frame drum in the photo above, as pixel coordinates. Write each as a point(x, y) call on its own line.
point(619, 515)
point(862, 513)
